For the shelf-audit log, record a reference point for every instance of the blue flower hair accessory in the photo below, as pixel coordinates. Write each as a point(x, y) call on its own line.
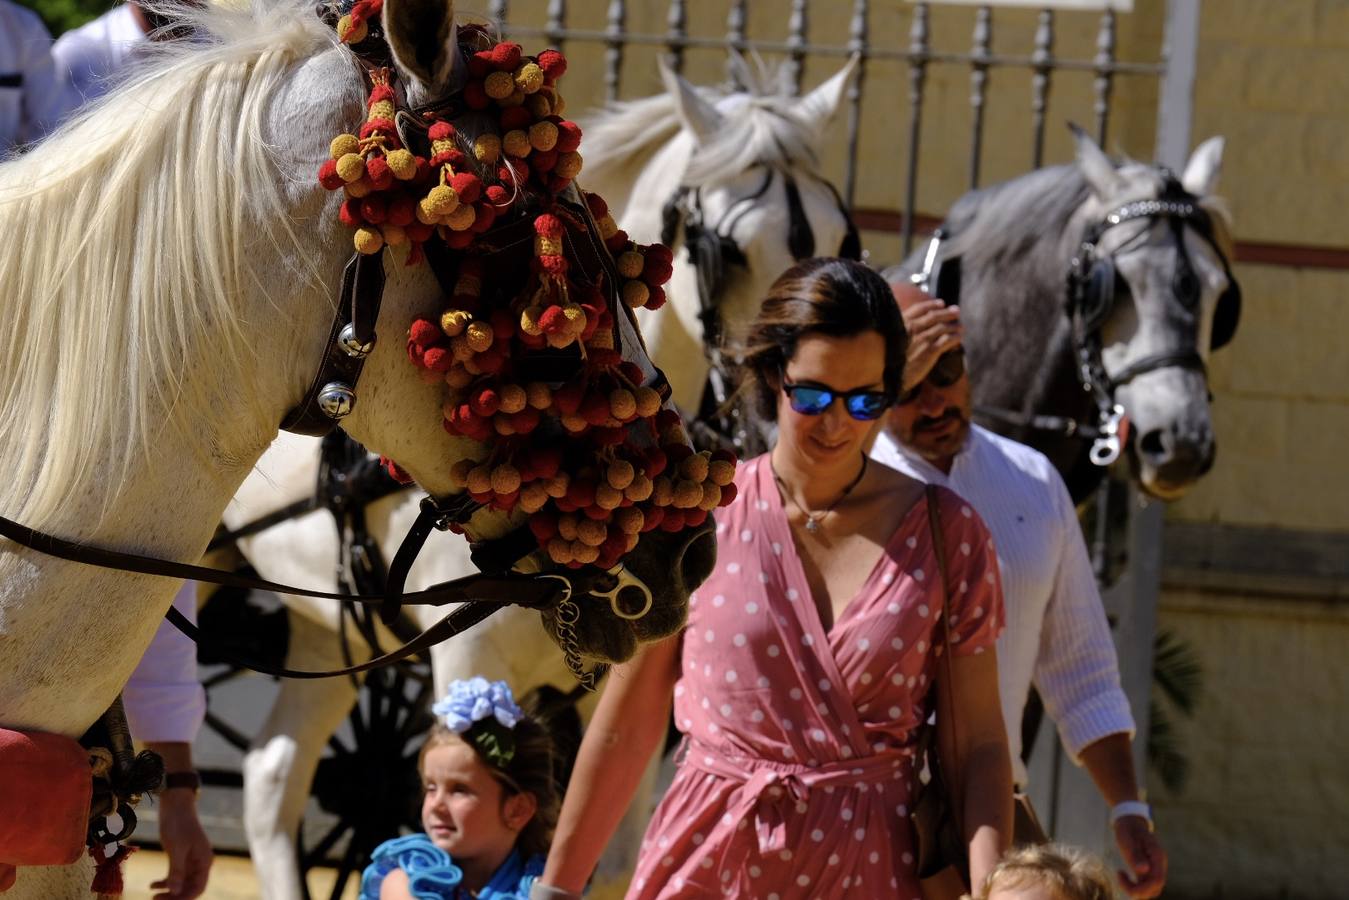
point(485, 713)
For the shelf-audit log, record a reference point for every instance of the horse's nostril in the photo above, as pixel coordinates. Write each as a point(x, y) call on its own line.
point(1153, 445)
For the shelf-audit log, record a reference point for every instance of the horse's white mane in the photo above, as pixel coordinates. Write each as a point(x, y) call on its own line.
point(126, 243)
point(762, 125)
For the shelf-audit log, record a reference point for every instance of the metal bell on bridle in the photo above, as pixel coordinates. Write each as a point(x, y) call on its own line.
point(336, 399)
point(351, 345)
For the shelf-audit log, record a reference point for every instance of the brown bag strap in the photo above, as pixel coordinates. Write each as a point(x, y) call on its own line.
point(954, 774)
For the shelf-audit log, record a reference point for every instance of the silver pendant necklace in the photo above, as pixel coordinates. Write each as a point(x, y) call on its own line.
point(813, 519)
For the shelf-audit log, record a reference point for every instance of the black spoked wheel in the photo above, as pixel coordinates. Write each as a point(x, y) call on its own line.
point(368, 779)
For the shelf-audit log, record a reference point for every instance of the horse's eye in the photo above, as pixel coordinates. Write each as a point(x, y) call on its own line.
point(1187, 287)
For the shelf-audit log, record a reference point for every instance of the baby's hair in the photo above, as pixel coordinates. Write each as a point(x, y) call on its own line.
point(1069, 872)
point(530, 771)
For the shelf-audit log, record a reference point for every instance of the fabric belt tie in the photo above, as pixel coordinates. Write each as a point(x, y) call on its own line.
point(765, 784)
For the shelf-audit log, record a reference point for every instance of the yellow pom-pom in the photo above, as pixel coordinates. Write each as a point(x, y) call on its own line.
point(540, 105)
point(630, 264)
point(601, 340)
point(711, 497)
point(648, 401)
point(566, 526)
point(468, 284)
point(636, 293)
point(620, 473)
point(622, 405)
point(540, 395)
point(721, 472)
point(499, 85)
point(694, 467)
point(440, 201)
point(487, 148)
point(533, 497)
point(402, 164)
point(454, 321)
point(573, 423)
point(359, 188)
point(662, 490)
point(348, 33)
point(462, 218)
point(503, 426)
point(350, 167)
point(480, 479)
point(584, 553)
point(368, 240)
point(559, 104)
point(561, 340)
point(529, 77)
point(342, 145)
point(592, 533)
point(479, 336)
point(576, 318)
point(458, 377)
point(568, 165)
point(640, 489)
point(513, 398)
point(461, 351)
point(547, 246)
point(629, 520)
point(529, 322)
point(516, 143)
point(558, 484)
point(517, 98)
point(394, 235)
point(381, 109)
point(608, 227)
point(559, 551)
point(543, 136)
point(607, 496)
point(687, 494)
point(459, 472)
point(505, 479)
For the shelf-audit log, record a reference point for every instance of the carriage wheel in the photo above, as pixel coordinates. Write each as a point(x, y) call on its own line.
point(368, 778)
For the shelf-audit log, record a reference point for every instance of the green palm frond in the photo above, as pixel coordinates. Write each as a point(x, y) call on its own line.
point(1178, 680)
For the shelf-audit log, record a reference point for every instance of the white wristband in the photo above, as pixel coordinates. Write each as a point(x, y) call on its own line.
point(1131, 808)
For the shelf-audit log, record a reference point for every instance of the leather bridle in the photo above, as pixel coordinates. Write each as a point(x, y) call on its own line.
point(1092, 284)
point(331, 396)
point(713, 251)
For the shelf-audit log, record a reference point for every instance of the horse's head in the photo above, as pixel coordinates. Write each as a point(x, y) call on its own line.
point(1157, 286)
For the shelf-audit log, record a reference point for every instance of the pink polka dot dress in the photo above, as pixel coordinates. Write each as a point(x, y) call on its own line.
point(797, 765)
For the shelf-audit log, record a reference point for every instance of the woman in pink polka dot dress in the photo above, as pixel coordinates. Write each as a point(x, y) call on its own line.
point(810, 655)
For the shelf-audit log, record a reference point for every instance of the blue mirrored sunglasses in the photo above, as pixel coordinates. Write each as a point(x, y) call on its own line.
point(810, 399)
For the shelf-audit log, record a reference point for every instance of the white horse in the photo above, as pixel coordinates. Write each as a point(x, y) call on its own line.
point(644, 149)
point(169, 266)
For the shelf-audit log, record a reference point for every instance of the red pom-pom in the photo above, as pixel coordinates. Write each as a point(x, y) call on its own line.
point(438, 359)
point(440, 131)
point(603, 359)
point(401, 211)
point(475, 95)
point(723, 456)
point(548, 225)
point(631, 371)
point(543, 160)
point(553, 320)
point(667, 418)
point(677, 453)
point(328, 176)
point(516, 117)
point(694, 517)
point(608, 437)
point(484, 215)
point(480, 64)
point(419, 232)
point(379, 92)
point(655, 298)
point(581, 491)
point(728, 493)
point(544, 526)
point(673, 520)
point(374, 210)
point(526, 420)
point(485, 402)
point(553, 63)
point(659, 253)
point(424, 171)
point(568, 398)
point(617, 242)
point(505, 57)
point(654, 462)
point(396, 472)
point(377, 167)
point(350, 213)
point(556, 266)
point(651, 518)
point(597, 206)
point(490, 361)
point(458, 240)
point(503, 324)
point(383, 126)
point(545, 461)
point(457, 158)
point(498, 195)
point(424, 333)
point(656, 273)
point(598, 513)
point(415, 353)
point(468, 186)
point(595, 409)
point(569, 140)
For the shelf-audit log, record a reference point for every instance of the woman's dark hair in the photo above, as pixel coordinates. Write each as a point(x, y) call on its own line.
point(530, 771)
point(832, 297)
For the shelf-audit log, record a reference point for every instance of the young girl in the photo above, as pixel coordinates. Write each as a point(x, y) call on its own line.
point(489, 809)
point(1048, 872)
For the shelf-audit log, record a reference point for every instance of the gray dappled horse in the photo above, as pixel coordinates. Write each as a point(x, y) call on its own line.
point(1097, 273)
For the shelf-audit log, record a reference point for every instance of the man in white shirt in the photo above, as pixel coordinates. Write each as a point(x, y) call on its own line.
point(94, 52)
point(33, 96)
point(1056, 633)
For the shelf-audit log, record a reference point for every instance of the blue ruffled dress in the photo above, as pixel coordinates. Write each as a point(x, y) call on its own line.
point(432, 874)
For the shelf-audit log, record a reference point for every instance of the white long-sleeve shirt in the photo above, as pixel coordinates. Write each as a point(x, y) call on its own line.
point(1056, 634)
point(33, 95)
point(164, 699)
point(94, 53)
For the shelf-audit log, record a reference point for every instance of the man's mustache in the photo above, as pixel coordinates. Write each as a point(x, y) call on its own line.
point(927, 422)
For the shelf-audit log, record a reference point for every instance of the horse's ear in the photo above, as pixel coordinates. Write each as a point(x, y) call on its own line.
point(424, 42)
point(819, 106)
point(697, 114)
point(1206, 163)
point(1099, 171)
